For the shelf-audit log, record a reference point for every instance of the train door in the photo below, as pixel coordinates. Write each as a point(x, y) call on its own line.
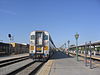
point(39, 42)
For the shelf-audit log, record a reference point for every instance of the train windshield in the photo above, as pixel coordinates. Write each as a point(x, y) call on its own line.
point(39, 38)
point(46, 37)
point(32, 37)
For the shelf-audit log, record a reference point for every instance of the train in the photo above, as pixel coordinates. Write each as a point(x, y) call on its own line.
point(13, 48)
point(41, 45)
point(4, 49)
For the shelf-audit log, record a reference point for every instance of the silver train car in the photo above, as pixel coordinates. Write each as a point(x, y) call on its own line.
point(41, 45)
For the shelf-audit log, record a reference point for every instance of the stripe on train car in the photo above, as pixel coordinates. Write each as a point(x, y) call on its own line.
point(46, 48)
point(31, 47)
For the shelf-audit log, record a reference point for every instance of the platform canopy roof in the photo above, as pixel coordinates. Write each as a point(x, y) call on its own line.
point(92, 44)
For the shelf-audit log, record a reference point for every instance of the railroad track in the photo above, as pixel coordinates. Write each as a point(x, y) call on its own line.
point(12, 61)
point(19, 66)
point(29, 69)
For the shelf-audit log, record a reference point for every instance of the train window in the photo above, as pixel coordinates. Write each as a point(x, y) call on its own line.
point(46, 37)
point(39, 35)
point(32, 37)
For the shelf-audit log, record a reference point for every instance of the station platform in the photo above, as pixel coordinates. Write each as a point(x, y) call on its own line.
point(94, 57)
point(13, 56)
point(61, 64)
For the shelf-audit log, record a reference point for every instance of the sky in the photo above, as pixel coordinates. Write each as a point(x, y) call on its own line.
point(61, 18)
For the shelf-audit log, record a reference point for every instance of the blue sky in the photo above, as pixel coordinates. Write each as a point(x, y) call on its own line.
point(61, 18)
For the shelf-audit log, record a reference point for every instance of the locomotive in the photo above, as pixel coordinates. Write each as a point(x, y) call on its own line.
point(41, 45)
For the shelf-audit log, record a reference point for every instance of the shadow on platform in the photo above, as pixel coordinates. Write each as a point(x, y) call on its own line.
point(60, 55)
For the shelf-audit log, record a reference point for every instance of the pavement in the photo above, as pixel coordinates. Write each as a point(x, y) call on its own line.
point(61, 64)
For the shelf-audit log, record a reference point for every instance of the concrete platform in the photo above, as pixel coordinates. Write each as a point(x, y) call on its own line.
point(94, 57)
point(13, 56)
point(62, 64)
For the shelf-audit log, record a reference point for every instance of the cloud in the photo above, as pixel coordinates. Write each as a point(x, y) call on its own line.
point(7, 12)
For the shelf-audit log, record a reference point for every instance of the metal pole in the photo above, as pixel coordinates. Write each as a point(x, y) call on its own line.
point(90, 56)
point(86, 54)
point(9, 45)
point(77, 36)
point(68, 47)
point(77, 49)
point(10, 36)
point(65, 47)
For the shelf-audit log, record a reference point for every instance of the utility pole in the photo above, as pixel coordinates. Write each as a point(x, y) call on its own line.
point(10, 36)
point(68, 46)
point(85, 54)
point(90, 56)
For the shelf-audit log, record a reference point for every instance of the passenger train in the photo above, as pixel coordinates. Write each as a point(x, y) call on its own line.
point(41, 45)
